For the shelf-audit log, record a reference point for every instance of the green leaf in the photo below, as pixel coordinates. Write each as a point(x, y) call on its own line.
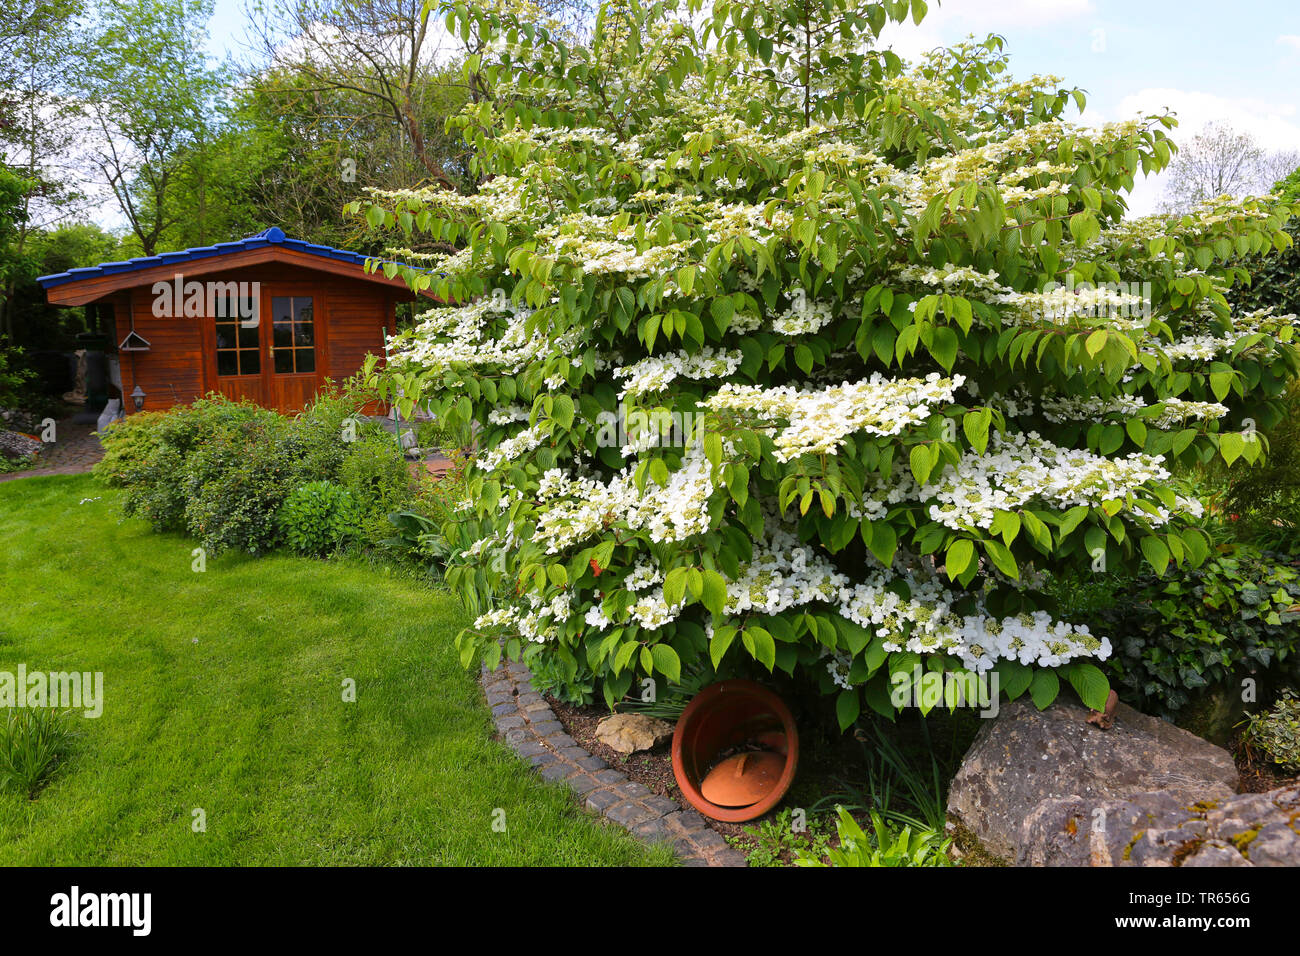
point(1089, 683)
point(884, 541)
point(847, 707)
point(714, 597)
point(920, 461)
point(760, 645)
point(959, 556)
point(675, 586)
point(667, 662)
point(1044, 687)
point(1157, 552)
point(722, 638)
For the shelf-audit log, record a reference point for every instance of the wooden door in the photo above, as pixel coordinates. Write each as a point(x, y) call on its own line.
point(276, 355)
point(239, 361)
point(292, 349)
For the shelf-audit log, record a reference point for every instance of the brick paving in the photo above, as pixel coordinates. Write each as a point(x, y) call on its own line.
point(75, 451)
point(528, 726)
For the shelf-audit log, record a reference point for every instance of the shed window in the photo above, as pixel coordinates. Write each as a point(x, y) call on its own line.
point(237, 352)
point(293, 330)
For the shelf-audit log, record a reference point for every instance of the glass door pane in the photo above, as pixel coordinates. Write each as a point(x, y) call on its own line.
point(237, 352)
point(293, 334)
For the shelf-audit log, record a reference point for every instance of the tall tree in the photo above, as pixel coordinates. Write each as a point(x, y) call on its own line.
point(389, 53)
point(150, 94)
point(40, 45)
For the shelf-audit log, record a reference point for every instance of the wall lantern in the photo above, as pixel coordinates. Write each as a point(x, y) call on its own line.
point(137, 396)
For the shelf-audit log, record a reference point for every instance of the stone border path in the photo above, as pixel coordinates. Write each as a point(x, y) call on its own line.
point(75, 452)
point(528, 725)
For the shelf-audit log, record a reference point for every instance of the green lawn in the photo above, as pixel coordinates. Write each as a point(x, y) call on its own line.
point(223, 691)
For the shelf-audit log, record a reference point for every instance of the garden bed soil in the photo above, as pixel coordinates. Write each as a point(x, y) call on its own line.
point(1258, 773)
point(652, 769)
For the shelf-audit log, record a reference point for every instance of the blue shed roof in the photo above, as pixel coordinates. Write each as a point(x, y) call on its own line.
point(267, 237)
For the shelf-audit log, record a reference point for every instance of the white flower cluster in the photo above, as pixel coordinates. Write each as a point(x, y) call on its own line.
point(654, 373)
point(1174, 411)
point(1064, 305)
point(925, 622)
point(803, 317)
point(1205, 347)
point(1177, 412)
point(1018, 470)
point(508, 415)
point(512, 448)
point(950, 276)
point(819, 420)
point(575, 509)
point(445, 337)
point(786, 574)
point(1073, 408)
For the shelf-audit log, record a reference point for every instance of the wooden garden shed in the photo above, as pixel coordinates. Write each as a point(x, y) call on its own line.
point(267, 318)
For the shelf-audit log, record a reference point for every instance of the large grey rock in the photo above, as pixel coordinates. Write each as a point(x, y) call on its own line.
point(1155, 829)
point(1031, 769)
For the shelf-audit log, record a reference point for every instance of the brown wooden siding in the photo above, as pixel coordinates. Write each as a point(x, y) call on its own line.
point(180, 366)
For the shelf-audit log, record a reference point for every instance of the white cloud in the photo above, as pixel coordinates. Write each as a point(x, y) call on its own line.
point(1275, 126)
point(1289, 39)
point(952, 20)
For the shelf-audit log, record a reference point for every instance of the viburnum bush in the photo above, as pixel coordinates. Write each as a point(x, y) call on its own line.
point(787, 354)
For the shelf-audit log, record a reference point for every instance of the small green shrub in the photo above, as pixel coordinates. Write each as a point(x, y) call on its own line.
point(128, 445)
point(1276, 732)
point(14, 378)
point(149, 454)
point(237, 482)
point(775, 840)
point(569, 681)
point(326, 429)
point(884, 847)
point(374, 472)
point(33, 742)
point(318, 517)
point(21, 463)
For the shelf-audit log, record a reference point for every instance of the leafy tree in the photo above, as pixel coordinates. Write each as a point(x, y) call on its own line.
point(40, 46)
point(915, 355)
point(1221, 161)
point(150, 95)
point(384, 53)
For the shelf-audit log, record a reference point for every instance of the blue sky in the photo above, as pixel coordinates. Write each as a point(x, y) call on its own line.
point(1206, 59)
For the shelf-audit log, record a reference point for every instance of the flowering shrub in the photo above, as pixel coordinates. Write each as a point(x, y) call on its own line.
point(787, 354)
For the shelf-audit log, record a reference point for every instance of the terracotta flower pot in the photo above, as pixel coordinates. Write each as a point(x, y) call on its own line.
point(726, 715)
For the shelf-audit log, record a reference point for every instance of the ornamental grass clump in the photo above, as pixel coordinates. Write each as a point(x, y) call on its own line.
point(785, 354)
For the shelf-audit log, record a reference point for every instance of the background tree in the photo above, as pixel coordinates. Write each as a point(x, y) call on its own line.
point(1222, 161)
point(387, 53)
point(40, 47)
point(150, 94)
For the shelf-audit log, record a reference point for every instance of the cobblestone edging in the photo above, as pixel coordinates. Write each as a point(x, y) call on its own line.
point(527, 724)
